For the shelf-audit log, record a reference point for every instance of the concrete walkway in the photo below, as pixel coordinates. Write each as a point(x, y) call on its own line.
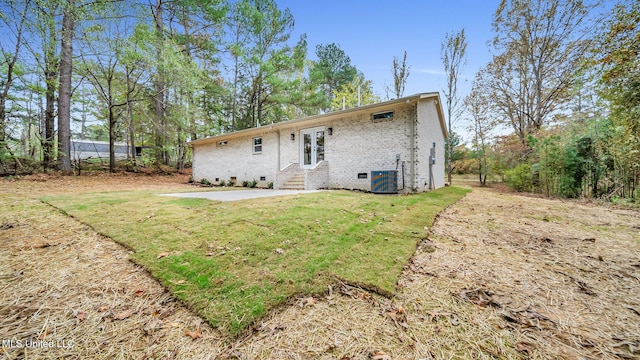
point(235, 195)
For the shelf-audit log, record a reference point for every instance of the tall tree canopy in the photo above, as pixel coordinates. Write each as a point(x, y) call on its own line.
point(540, 45)
point(333, 68)
point(453, 52)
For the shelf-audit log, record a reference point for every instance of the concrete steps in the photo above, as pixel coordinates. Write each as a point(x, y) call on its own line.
point(296, 182)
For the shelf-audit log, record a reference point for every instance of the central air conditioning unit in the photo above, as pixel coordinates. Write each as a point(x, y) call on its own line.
point(384, 182)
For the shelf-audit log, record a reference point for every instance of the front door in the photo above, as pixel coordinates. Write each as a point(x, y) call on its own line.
point(312, 147)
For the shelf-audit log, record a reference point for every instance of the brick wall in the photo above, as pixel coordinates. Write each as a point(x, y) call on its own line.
point(236, 159)
point(358, 145)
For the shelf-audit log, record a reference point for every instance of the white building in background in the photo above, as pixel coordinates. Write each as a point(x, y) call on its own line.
point(90, 149)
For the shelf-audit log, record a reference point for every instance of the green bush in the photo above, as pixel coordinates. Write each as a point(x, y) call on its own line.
point(270, 185)
point(253, 183)
point(520, 178)
point(205, 182)
point(230, 183)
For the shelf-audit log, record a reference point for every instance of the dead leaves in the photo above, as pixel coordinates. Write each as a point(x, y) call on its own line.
point(398, 316)
point(122, 315)
point(215, 251)
point(524, 348)
point(194, 334)
point(161, 255)
point(480, 297)
point(582, 286)
point(380, 355)
point(81, 315)
point(357, 293)
point(529, 317)
point(309, 301)
point(434, 316)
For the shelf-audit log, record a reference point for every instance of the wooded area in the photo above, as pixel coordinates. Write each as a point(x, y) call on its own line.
point(564, 79)
point(156, 75)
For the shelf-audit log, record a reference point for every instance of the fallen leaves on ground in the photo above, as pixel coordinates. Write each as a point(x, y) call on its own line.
point(398, 316)
point(380, 355)
point(122, 315)
point(309, 301)
point(194, 334)
point(81, 316)
point(524, 348)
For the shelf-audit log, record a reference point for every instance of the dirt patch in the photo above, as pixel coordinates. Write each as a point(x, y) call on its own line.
point(501, 276)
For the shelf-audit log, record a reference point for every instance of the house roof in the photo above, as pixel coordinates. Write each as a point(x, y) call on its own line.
point(310, 120)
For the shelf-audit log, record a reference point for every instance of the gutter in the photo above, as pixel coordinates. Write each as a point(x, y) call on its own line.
point(308, 121)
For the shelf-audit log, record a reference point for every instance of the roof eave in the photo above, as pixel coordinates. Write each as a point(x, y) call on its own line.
point(328, 116)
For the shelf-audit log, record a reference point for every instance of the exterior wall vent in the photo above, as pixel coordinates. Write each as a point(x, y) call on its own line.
point(384, 182)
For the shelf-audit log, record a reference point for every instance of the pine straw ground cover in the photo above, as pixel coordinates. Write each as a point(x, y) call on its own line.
point(500, 277)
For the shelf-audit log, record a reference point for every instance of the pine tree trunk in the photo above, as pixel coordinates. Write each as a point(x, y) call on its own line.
point(49, 117)
point(131, 127)
point(159, 88)
point(64, 96)
point(112, 140)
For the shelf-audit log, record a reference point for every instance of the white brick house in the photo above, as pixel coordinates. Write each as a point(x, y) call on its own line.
point(369, 148)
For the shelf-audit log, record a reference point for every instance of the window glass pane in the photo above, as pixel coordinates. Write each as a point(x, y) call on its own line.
point(319, 146)
point(307, 149)
point(383, 116)
point(257, 144)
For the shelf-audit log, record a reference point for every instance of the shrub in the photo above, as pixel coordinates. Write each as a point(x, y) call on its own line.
point(245, 183)
point(520, 178)
point(253, 183)
point(230, 183)
point(205, 182)
point(270, 185)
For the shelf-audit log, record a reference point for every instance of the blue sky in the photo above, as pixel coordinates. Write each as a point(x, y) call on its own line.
point(373, 32)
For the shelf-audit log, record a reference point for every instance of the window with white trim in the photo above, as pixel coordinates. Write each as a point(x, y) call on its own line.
point(257, 145)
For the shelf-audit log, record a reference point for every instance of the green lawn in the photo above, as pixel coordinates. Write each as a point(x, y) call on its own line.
point(233, 262)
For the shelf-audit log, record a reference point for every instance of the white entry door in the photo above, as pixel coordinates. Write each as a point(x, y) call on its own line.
point(311, 147)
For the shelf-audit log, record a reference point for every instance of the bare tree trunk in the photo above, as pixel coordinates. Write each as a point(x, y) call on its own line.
point(130, 113)
point(180, 156)
point(159, 87)
point(235, 82)
point(49, 116)
point(184, 20)
point(453, 52)
point(112, 140)
point(64, 96)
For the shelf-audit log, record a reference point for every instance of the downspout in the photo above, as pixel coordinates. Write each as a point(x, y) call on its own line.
point(278, 152)
point(412, 179)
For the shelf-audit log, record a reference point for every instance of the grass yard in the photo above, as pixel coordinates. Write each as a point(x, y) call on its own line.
point(234, 262)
